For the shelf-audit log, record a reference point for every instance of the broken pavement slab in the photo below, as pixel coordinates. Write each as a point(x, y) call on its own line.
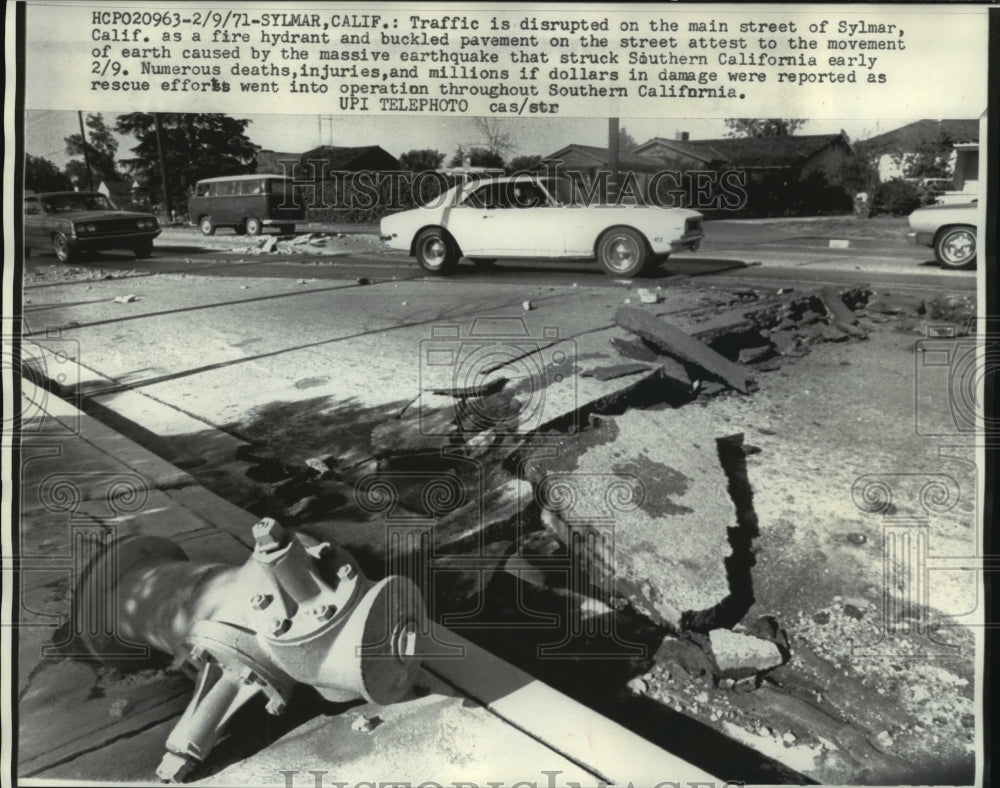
point(740, 655)
point(837, 309)
point(665, 510)
point(677, 343)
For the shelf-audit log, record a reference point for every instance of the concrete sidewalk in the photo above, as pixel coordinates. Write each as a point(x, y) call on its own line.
point(475, 719)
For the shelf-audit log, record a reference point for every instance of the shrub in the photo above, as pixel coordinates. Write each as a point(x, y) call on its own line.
point(895, 197)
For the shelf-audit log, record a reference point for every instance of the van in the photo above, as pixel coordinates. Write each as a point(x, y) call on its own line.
point(247, 203)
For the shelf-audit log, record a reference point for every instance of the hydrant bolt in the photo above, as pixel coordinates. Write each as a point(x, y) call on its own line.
point(260, 601)
point(275, 706)
point(346, 572)
point(280, 626)
point(269, 535)
point(324, 612)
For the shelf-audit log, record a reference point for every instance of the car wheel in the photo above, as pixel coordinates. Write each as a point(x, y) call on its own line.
point(252, 226)
point(60, 245)
point(143, 250)
point(207, 228)
point(436, 252)
point(622, 252)
point(956, 247)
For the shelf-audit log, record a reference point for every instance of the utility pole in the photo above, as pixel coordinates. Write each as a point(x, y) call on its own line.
point(163, 165)
point(86, 156)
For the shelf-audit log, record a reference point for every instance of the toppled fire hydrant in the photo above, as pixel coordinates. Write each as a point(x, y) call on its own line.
point(293, 613)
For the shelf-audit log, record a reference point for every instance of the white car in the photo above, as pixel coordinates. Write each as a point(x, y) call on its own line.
point(950, 230)
point(530, 217)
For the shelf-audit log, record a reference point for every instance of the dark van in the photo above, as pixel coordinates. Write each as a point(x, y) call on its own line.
point(247, 203)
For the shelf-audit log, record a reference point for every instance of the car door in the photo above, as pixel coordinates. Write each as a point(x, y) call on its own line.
point(534, 224)
point(473, 222)
point(508, 219)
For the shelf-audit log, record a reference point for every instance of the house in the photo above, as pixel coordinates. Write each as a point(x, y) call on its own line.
point(124, 194)
point(270, 162)
point(794, 157)
point(893, 148)
point(590, 161)
point(337, 158)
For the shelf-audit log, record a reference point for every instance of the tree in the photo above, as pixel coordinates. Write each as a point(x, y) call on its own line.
point(763, 127)
point(195, 146)
point(496, 135)
point(931, 158)
point(41, 175)
point(626, 142)
point(522, 163)
point(859, 173)
point(421, 160)
point(478, 157)
point(101, 149)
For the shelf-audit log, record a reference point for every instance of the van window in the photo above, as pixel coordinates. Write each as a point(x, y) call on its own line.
point(251, 186)
point(224, 189)
point(202, 189)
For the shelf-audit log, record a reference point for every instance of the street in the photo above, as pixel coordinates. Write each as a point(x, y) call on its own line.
point(239, 366)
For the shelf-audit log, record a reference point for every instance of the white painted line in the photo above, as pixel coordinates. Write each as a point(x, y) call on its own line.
point(839, 244)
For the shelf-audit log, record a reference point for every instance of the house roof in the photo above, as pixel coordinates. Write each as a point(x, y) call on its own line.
point(268, 161)
point(341, 158)
point(783, 151)
point(600, 157)
point(908, 137)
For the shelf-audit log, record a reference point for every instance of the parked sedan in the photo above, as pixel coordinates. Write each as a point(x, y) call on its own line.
point(950, 230)
point(529, 217)
point(69, 223)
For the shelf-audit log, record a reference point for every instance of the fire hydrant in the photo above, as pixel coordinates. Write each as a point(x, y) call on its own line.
point(295, 612)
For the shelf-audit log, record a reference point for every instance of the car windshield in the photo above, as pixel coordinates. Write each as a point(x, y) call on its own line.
point(65, 203)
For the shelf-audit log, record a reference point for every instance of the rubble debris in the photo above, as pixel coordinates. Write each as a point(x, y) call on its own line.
point(488, 518)
point(894, 304)
point(615, 370)
point(840, 243)
point(751, 354)
point(362, 280)
point(320, 467)
point(126, 299)
point(739, 655)
point(957, 309)
point(837, 309)
point(857, 538)
point(120, 707)
point(833, 333)
point(677, 343)
point(527, 306)
point(365, 723)
point(637, 686)
point(647, 296)
point(784, 342)
point(492, 386)
point(303, 507)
